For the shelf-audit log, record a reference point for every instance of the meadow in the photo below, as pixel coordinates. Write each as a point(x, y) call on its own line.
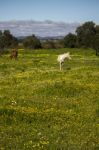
point(43, 108)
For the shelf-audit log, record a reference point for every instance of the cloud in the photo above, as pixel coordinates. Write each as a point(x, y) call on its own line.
point(39, 28)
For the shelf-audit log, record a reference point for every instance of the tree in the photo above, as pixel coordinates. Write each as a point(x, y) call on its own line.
point(96, 40)
point(32, 42)
point(70, 40)
point(85, 34)
point(7, 40)
point(1, 42)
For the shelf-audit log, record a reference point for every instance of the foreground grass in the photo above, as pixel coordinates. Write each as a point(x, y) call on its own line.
point(44, 108)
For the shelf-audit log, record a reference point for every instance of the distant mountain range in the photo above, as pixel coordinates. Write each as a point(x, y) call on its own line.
point(39, 28)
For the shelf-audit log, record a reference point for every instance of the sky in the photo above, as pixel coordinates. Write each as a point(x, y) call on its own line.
point(55, 10)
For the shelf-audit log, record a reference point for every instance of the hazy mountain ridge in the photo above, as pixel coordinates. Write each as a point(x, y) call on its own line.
point(39, 28)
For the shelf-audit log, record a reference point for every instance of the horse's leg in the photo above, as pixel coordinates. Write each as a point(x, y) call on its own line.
point(60, 66)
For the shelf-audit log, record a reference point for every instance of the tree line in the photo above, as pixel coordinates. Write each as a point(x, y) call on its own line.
point(86, 36)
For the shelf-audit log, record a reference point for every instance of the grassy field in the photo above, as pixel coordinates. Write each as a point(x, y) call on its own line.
point(43, 108)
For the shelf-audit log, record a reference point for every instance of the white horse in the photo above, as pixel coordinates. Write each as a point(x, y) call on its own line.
point(61, 58)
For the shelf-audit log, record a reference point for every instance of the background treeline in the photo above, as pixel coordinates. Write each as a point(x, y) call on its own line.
point(86, 36)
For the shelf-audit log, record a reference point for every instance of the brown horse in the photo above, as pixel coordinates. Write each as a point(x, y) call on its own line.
point(14, 54)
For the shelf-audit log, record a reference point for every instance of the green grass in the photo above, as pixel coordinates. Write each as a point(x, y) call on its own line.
point(44, 108)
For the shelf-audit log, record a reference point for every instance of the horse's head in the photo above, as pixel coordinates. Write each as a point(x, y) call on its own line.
point(67, 55)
